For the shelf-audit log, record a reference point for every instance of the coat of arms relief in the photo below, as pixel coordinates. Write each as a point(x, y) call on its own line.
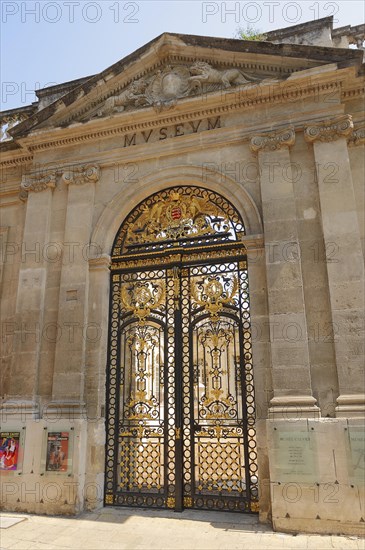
point(166, 86)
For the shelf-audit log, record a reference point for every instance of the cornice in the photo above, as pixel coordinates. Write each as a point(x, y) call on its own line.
point(15, 161)
point(239, 99)
point(330, 129)
point(118, 156)
point(353, 93)
point(273, 141)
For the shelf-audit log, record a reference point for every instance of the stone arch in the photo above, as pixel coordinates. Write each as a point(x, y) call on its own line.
point(123, 203)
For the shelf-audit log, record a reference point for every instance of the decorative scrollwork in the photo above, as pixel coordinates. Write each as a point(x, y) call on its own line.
point(177, 217)
point(180, 326)
point(181, 216)
point(214, 294)
point(79, 175)
point(142, 297)
point(39, 182)
point(273, 141)
point(142, 343)
point(330, 130)
point(219, 432)
point(216, 402)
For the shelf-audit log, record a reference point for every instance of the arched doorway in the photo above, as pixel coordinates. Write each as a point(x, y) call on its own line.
point(180, 397)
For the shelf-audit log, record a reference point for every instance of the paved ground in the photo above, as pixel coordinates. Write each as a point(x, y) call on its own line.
point(126, 529)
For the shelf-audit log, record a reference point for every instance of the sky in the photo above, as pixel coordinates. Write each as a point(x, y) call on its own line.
point(46, 42)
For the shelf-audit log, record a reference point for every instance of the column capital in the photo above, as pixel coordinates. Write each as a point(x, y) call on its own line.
point(38, 182)
point(357, 137)
point(273, 141)
point(329, 129)
point(79, 175)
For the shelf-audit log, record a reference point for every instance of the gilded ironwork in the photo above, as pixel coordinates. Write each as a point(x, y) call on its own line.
point(181, 417)
point(170, 502)
point(178, 216)
point(188, 502)
point(214, 293)
point(175, 217)
point(255, 506)
point(141, 297)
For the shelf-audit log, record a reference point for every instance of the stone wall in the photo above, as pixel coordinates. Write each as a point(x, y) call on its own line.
point(295, 174)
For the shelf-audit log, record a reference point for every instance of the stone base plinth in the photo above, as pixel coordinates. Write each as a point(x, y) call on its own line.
point(297, 406)
point(351, 406)
point(316, 477)
point(34, 486)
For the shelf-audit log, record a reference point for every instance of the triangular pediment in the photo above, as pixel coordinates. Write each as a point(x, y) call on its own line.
point(174, 68)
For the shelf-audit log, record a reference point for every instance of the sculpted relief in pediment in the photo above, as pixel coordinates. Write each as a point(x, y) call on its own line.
point(166, 86)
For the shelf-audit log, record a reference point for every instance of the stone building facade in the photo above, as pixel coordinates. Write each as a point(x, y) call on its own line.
point(182, 284)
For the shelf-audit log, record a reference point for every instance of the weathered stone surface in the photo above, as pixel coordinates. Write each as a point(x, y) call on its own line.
point(260, 131)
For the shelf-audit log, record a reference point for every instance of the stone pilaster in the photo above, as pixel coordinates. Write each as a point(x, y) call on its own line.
point(292, 392)
point(96, 359)
point(256, 265)
point(69, 369)
point(345, 267)
point(31, 287)
point(97, 337)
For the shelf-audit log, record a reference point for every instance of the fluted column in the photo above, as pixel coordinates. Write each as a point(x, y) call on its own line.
point(30, 302)
point(345, 267)
point(69, 370)
point(292, 392)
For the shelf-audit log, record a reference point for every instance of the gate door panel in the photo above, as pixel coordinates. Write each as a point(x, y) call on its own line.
point(180, 398)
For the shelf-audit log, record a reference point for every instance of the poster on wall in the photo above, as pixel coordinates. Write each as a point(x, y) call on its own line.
point(57, 451)
point(9, 450)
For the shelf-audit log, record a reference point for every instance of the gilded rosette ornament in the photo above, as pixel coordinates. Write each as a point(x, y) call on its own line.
point(329, 130)
point(273, 141)
point(38, 182)
point(79, 175)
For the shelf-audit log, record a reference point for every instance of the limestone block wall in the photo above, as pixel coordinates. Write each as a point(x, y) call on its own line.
point(301, 197)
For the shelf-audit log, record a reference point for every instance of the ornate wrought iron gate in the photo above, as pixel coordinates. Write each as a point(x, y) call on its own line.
point(180, 398)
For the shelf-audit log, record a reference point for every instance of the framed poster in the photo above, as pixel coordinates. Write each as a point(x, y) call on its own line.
point(57, 457)
point(9, 450)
